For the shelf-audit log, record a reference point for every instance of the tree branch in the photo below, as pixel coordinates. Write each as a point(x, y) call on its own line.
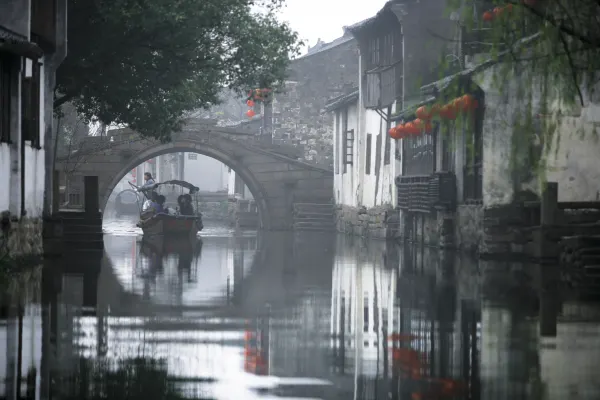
point(64, 99)
point(572, 66)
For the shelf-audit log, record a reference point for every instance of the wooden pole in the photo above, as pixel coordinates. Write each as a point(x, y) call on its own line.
point(548, 273)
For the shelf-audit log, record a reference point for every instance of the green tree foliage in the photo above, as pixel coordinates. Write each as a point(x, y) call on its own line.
point(544, 58)
point(145, 63)
point(565, 45)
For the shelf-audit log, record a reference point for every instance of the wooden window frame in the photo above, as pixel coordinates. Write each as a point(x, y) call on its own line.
point(418, 155)
point(473, 160)
point(338, 143)
point(383, 73)
point(348, 139)
point(6, 88)
point(347, 142)
point(31, 107)
point(388, 140)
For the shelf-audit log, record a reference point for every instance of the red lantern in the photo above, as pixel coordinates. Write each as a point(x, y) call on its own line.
point(250, 113)
point(393, 132)
point(488, 16)
point(448, 112)
point(457, 104)
point(468, 102)
point(411, 128)
point(498, 11)
point(423, 113)
point(250, 103)
point(399, 132)
point(418, 124)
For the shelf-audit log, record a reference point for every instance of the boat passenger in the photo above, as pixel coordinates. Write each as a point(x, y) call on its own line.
point(160, 204)
point(186, 207)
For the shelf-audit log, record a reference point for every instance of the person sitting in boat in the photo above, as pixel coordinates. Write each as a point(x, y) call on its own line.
point(160, 204)
point(185, 207)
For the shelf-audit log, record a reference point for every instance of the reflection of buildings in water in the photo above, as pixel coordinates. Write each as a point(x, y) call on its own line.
point(181, 278)
point(20, 329)
point(509, 354)
point(361, 308)
point(517, 363)
point(371, 303)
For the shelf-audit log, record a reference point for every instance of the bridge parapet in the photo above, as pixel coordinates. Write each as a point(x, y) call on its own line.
point(273, 172)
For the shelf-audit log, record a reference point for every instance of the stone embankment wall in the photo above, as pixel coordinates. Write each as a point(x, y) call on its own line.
point(378, 222)
point(21, 238)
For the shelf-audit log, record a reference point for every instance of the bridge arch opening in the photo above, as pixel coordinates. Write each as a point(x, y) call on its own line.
point(231, 161)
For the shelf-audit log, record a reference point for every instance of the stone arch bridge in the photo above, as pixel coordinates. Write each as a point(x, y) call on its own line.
point(275, 177)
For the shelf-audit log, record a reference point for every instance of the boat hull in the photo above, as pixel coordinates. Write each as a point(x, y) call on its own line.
point(171, 225)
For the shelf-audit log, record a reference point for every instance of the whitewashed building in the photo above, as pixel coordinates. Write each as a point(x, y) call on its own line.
point(32, 45)
point(207, 173)
point(364, 154)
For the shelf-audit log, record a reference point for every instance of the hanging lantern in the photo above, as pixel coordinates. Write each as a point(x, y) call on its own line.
point(418, 124)
point(468, 102)
point(457, 104)
point(435, 110)
point(488, 16)
point(250, 113)
point(393, 132)
point(250, 103)
point(448, 112)
point(423, 113)
point(498, 12)
point(401, 131)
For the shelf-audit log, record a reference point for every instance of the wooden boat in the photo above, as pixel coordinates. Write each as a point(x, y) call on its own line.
point(169, 224)
point(127, 203)
point(161, 245)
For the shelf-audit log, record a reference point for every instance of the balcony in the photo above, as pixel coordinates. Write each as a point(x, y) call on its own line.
point(427, 193)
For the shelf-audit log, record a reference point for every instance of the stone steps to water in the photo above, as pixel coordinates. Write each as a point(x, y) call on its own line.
point(82, 231)
point(313, 217)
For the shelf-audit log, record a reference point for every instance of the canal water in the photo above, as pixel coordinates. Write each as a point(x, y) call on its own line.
point(286, 315)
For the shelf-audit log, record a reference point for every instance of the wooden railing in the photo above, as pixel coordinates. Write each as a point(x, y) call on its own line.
point(425, 193)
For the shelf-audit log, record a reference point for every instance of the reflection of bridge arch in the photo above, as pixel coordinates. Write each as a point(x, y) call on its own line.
point(275, 180)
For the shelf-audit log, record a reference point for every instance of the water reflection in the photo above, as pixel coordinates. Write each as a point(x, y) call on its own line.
point(284, 316)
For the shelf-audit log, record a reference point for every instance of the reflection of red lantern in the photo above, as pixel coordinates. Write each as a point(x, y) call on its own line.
point(250, 113)
point(250, 103)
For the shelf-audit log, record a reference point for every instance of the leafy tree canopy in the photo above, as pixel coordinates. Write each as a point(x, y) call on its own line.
point(565, 49)
point(145, 63)
point(547, 54)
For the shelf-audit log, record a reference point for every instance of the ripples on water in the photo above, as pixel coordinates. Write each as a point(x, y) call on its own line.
point(311, 316)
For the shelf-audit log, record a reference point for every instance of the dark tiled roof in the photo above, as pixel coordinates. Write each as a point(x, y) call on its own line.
point(327, 46)
point(341, 101)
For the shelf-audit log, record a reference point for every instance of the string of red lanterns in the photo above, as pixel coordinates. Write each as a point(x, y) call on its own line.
point(423, 124)
point(497, 12)
point(256, 95)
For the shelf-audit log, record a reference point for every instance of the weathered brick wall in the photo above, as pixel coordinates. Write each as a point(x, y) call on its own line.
point(376, 222)
point(464, 231)
point(314, 79)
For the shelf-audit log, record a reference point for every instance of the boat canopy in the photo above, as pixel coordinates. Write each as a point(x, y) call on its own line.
point(193, 189)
